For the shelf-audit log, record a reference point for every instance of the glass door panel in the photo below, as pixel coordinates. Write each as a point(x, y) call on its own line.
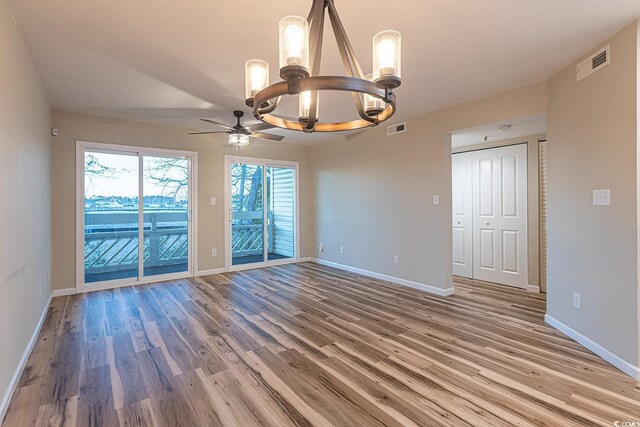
point(110, 216)
point(280, 213)
point(166, 213)
point(247, 214)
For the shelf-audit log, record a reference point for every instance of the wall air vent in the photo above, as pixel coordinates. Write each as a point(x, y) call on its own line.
point(396, 129)
point(594, 63)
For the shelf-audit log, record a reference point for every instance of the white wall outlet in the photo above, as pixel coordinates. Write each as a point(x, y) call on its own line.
point(436, 199)
point(576, 300)
point(214, 252)
point(321, 247)
point(341, 249)
point(213, 201)
point(395, 259)
point(602, 197)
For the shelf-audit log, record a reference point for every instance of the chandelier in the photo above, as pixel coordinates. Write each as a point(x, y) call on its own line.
point(300, 56)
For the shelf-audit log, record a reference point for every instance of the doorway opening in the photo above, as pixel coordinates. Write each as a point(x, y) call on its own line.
point(496, 196)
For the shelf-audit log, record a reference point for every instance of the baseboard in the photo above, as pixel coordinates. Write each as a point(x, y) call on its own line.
point(588, 343)
point(533, 289)
point(403, 282)
point(13, 384)
point(63, 292)
point(210, 272)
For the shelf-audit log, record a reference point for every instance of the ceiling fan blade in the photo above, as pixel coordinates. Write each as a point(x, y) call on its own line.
point(259, 126)
point(216, 123)
point(206, 133)
point(267, 136)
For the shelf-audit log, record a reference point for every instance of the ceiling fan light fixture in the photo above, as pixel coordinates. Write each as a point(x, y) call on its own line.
point(256, 77)
point(238, 139)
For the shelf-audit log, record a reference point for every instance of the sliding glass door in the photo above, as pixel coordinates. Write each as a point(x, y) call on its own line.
point(127, 196)
point(111, 226)
point(281, 200)
point(247, 214)
point(262, 212)
point(166, 215)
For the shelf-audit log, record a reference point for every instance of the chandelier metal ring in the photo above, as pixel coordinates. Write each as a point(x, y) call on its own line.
point(267, 99)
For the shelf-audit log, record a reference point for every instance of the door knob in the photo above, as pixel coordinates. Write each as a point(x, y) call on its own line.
point(487, 222)
point(459, 222)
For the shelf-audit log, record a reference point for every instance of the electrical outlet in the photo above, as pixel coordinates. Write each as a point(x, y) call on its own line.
point(436, 199)
point(341, 249)
point(213, 201)
point(321, 247)
point(576, 300)
point(214, 252)
point(395, 259)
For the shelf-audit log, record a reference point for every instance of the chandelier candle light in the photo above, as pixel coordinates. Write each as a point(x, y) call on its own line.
point(300, 56)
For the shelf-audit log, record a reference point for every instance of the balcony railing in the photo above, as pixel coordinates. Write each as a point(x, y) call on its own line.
point(111, 240)
point(247, 237)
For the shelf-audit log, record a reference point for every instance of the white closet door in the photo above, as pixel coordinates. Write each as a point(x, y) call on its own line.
point(500, 215)
point(462, 206)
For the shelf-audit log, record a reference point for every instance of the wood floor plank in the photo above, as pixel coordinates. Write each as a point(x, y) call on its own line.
point(95, 399)
point(309, 345)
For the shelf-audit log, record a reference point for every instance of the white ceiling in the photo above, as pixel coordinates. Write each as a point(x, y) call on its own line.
point(173, 62)
point(524, 126)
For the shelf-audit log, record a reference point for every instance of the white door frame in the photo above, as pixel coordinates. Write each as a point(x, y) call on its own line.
point(140, 152)
point(228, 161)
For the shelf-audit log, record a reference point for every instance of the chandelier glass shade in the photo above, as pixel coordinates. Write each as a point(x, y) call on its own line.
point(299, 59)
point(257, 77)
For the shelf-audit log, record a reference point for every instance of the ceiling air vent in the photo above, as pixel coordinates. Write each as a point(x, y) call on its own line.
point(396, 129)
point(595, 62)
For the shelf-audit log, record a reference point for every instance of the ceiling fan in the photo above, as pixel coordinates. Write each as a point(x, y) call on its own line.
point(238, 134)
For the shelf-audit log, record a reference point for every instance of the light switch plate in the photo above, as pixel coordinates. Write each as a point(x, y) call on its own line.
point(436, 199)
point(602, 197)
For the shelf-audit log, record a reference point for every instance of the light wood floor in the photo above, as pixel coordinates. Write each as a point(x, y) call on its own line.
point(303, 345)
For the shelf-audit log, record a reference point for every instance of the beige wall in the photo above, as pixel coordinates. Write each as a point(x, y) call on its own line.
point(25, 227)
point(592, 129)
point(374, 193)
point(211, 151)
point(533, 197)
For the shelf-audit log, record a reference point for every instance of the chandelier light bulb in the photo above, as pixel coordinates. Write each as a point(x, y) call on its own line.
point(294, 38)
point(387, 58)
point(304, 106)
point(256, 77)
point(294, 47)
point(372, 105)
point(386, 54)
